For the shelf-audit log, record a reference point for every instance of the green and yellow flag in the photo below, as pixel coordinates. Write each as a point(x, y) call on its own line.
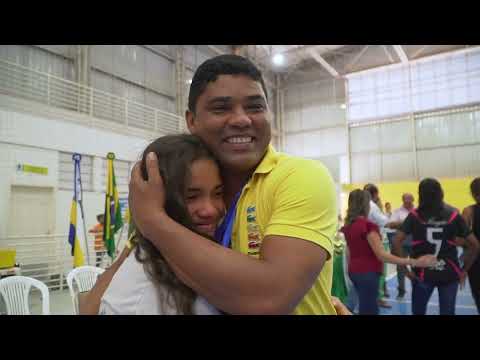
point(113, 215)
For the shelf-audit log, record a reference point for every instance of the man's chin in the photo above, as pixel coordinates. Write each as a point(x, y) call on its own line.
point(240, 163)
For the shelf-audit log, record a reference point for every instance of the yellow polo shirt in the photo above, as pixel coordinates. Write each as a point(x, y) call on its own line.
point(294, 197)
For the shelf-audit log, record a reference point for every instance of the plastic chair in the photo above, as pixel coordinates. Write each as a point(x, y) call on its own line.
point(15, 291)
point(85, 277)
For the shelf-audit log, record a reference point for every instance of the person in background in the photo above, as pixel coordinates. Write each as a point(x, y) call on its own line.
point(434, 228)
point(388, 209)
point(397, 218)
point(471, 215)
point(367, 253)
point(377, 216)
point(98, 245)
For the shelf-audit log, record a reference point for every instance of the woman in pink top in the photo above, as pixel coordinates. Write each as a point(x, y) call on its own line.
point(367, 254)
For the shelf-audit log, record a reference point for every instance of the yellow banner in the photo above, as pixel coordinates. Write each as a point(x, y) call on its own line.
point(456, 190)
point(33, 169)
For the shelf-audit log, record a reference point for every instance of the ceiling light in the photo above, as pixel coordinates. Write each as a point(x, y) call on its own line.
point(278, 59)
point(343, 106)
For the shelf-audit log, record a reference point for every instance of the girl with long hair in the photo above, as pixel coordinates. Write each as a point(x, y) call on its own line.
point(435, 228)
point(145, 283)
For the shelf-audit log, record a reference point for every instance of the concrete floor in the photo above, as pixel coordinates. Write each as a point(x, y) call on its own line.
point(60, 303)
point(465, 305)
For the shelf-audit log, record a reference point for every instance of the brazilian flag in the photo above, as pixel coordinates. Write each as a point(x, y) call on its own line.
point(112, 215)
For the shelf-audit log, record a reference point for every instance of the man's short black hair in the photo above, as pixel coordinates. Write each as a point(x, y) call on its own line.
point(221, 65)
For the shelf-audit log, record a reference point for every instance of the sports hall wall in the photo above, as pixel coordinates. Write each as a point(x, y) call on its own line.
point(28, 139)
point(44, 134)
point(392, 126)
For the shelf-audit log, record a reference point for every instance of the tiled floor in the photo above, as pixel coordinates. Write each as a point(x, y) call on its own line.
point(465, 302)
point(60, 303)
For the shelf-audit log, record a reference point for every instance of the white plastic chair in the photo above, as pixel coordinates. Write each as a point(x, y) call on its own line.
point(85, 278)
point(15, 291)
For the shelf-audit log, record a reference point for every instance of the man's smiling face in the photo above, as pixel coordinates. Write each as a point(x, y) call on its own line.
point(232, 118)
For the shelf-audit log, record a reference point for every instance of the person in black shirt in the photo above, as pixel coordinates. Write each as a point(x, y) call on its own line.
point(435, 229)
point(471, 215)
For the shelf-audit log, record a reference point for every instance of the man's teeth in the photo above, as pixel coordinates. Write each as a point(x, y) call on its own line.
point(239, 140)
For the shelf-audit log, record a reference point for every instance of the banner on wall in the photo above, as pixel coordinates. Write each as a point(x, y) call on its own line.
point(26, 168)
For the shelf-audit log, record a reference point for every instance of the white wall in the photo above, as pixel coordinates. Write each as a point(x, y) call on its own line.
point(440, 81)
point(447, 145)
point(315, 124)
point(55, 134)
point(441, 143)
point(35, 140)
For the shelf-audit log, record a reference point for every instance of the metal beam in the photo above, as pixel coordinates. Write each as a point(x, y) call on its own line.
point(401, 53)
point(216, 50)
point(419, 51)
point(322, 62)
point(356, 58)
point(296, 51)
point(390, 58)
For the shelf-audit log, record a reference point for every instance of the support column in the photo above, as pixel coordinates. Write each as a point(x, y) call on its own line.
point(347, 128)
point(82, 64)
point(82, 71)
point(180, 81)
point(413, 127)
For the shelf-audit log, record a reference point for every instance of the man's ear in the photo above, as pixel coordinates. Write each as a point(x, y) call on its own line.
point(190, 119)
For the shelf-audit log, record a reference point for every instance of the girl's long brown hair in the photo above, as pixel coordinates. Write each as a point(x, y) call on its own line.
point(358, 205)
point(175, 153)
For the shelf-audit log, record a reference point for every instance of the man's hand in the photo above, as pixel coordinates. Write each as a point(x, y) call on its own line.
point(146, 198)
point(340, 308)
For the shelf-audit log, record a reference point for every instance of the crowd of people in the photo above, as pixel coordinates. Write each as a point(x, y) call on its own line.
point(424, 243)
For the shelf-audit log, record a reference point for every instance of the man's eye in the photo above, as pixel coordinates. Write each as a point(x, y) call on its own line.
point(219, 110)
point(191, 197)
point(256, 107)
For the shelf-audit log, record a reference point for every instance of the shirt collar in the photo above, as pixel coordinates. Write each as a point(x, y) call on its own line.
point(268, 162)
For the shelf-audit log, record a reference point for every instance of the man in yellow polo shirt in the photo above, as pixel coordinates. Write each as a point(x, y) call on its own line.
point(286, 196)
point(277, 235)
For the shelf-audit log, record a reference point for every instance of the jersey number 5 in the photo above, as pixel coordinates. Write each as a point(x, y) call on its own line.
point(435, 242)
